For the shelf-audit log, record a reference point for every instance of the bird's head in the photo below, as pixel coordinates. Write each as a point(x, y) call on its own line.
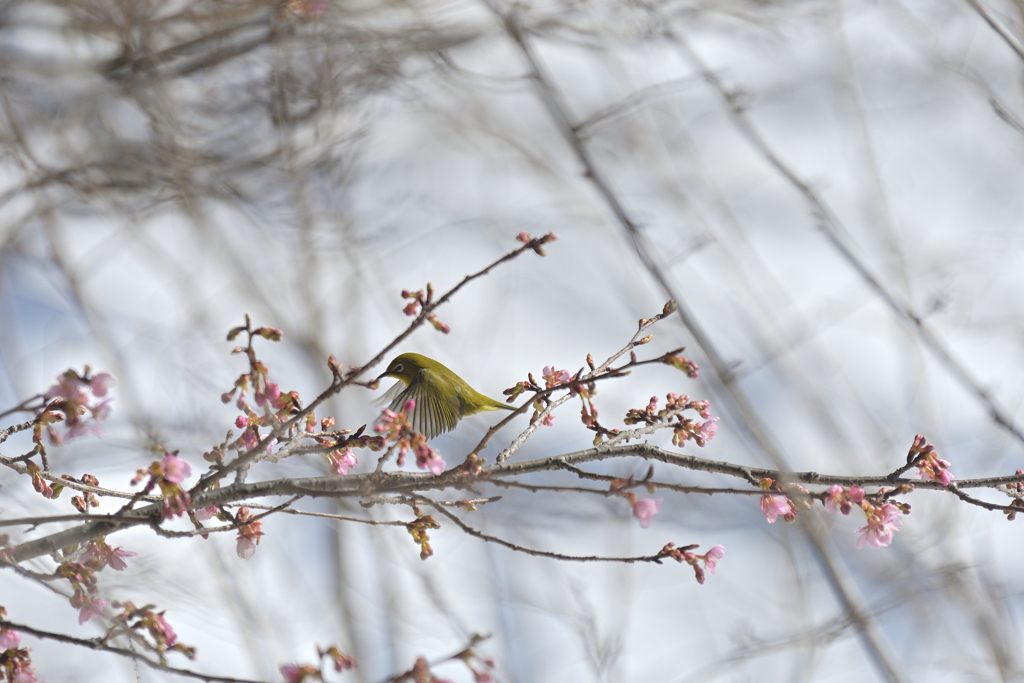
point(405, 367)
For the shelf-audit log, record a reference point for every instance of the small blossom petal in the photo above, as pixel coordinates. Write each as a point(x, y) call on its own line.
point(245, 548)
point(713, 556)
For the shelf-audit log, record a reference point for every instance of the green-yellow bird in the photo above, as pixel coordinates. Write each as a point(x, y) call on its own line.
point(442, 397)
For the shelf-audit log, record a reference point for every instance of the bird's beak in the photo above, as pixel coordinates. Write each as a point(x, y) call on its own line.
point(382, 376)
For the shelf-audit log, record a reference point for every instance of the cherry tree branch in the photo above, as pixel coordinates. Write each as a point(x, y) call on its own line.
point(410, 483)
point(99, 645)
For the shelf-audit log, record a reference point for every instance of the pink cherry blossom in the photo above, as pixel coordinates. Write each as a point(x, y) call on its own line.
point(175, 469)
point(112, 557)
point(74, 402)
point(712, 557)
point(241, 421)
point(708, 429)
point(115, 561)
point(245, 548)
point(68, 387)
point(271, 391)
point(774, 505)
point(882, 525)
point(644, 510)
point(552, 376)
point(91, 607)
point(833, 498)
point(169, 636)
point(935, 468)
point(437, 464)
point(272, 394)
point(101, 384)
point(9, 639)
point(838, 498)
point(341, 461)
point(203, 514)
point(249, 437)
point(100, 412)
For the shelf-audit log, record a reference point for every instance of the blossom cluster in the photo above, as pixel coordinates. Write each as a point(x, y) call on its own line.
point(396, 429)
point(553, 379)
point(884, 517)
point(340, 457)
point(80, 568)
point(537, 243)
point(81, 402)
point(784, 501)
point(419, 299)
point(685, 554)
point(644, 509)
point(249, 533)
point(15, 662)
point(884, 520)
point(298, 673)
point(273, 406)
point(72, 400)
point(683, 363)
point(167, 474)
point(683, 428)
point(929, 464)
point(146, 620)
point(418, 530)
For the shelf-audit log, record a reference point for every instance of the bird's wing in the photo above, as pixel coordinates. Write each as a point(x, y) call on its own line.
point(389, 397)
point(432, 415)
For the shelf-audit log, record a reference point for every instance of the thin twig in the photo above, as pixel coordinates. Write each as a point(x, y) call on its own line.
point(532, 551)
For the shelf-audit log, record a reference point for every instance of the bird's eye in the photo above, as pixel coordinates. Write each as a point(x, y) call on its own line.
point(399, 367)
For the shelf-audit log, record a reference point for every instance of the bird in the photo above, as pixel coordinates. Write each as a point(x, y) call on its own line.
point(442, 397)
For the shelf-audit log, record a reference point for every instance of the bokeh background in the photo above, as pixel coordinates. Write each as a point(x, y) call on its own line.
point(831, 190)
